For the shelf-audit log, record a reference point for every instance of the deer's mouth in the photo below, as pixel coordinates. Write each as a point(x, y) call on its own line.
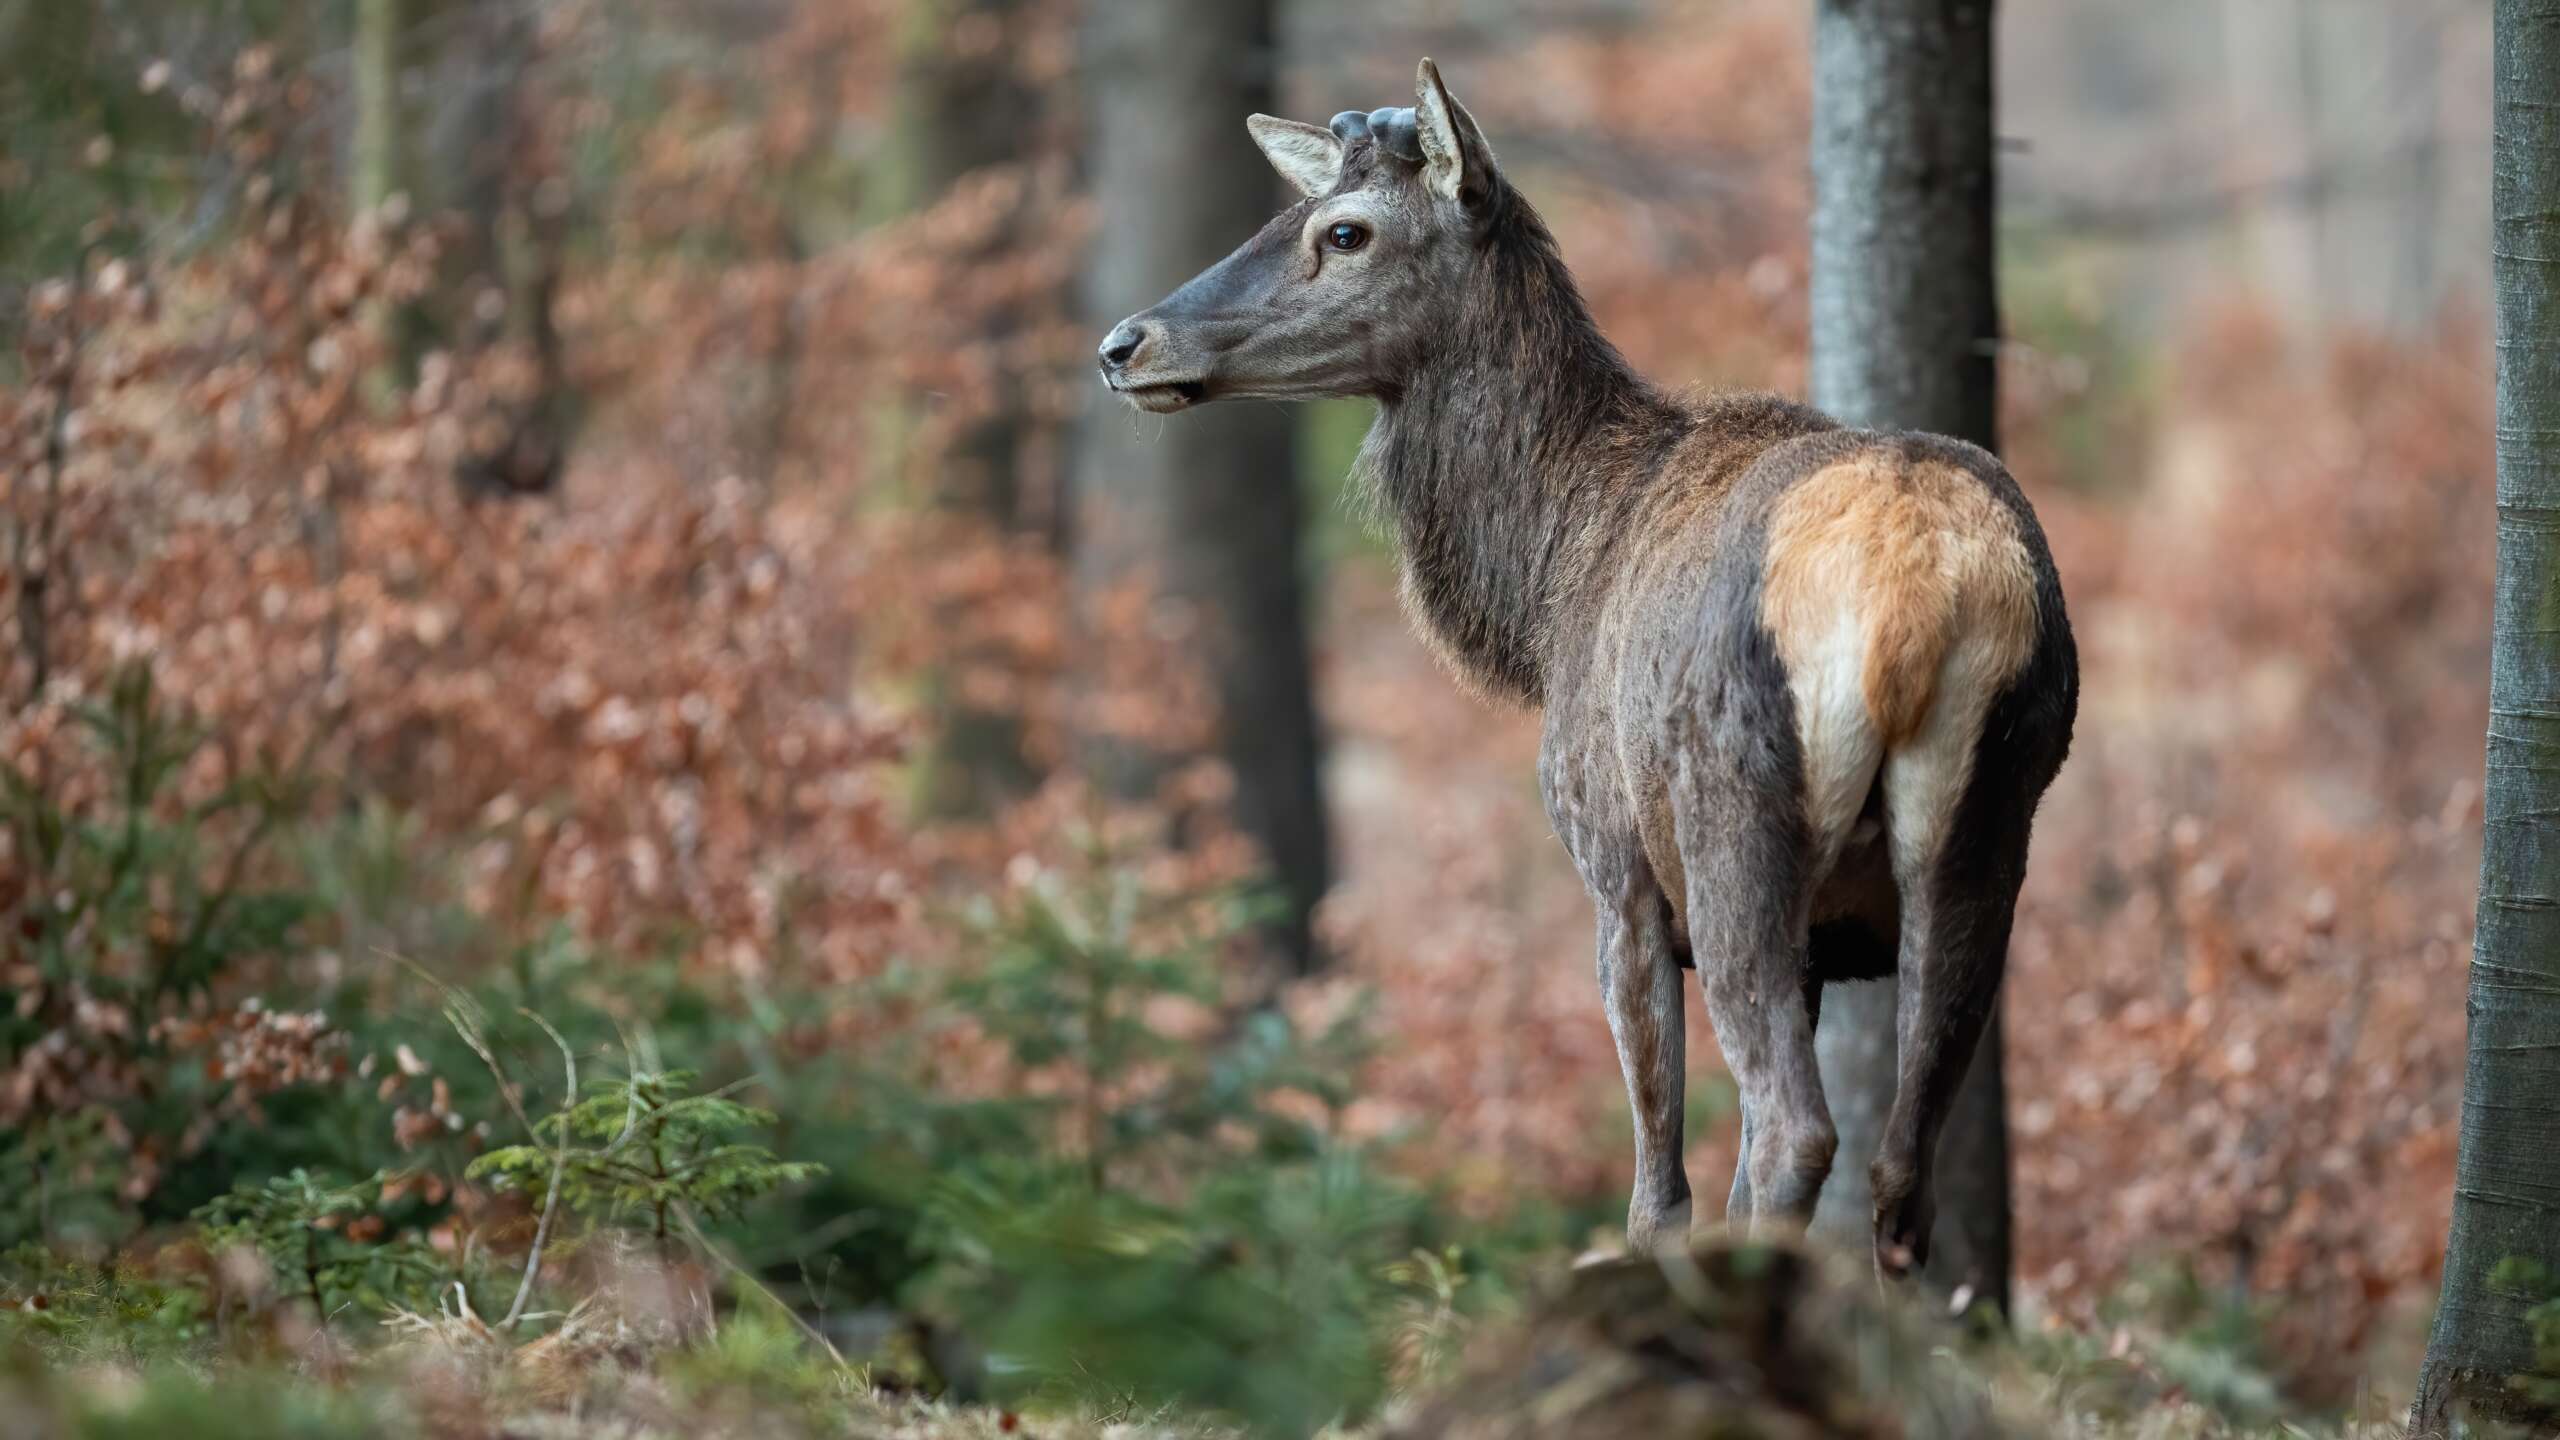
point(1165, 397)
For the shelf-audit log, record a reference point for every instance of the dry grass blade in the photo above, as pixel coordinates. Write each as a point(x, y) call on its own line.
point(559, 1166)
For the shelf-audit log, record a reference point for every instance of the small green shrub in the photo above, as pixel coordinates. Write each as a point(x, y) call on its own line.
point(325, 1242)
point(1194, 1210)
point(647, 1148)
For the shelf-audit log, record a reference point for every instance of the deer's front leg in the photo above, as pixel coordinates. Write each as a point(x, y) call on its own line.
point(1640, 983)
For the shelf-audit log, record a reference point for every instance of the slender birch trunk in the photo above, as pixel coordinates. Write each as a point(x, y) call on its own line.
point(2503, 1254)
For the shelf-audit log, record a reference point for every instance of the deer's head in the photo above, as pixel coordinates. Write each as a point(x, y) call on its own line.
point(1342, 292)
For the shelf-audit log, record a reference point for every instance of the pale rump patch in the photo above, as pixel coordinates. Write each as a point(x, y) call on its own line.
point(1926, 775)
point(1837, 742)
point(1901, 598)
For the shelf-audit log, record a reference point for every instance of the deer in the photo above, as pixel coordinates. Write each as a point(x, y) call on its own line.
point(1803, 685)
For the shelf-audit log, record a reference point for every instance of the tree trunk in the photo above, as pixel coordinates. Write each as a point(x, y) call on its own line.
point(373, 168)
point(491, 155)
point(963, 104)
point(2506, 1188)
point(374, 171)
point(1204, 505)
point(1906, 324)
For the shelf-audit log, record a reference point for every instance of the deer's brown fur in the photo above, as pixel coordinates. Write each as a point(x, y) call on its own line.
point(1803, 685)
point(1909, 555)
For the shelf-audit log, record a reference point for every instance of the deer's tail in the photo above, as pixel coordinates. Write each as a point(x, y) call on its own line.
point(1902, 597)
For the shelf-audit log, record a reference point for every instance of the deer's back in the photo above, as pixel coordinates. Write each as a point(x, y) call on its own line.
point(1813, 601)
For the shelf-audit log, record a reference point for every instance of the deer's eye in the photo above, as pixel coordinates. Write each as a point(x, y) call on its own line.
point(1346, 237)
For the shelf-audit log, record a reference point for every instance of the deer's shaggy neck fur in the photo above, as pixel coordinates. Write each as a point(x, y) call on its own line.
point(1518, 450)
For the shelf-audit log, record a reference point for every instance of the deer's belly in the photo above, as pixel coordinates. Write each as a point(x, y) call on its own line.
point(1856, 900)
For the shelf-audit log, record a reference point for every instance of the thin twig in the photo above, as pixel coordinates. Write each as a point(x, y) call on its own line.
point(693, 1230)
point(458, 1013)
point(559, 1165)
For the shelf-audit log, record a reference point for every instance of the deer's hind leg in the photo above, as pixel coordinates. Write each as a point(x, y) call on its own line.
point(1751, 855)
point(1737, 1204)
point(1958, 832)
point(1774, 770)
point(1747, 927)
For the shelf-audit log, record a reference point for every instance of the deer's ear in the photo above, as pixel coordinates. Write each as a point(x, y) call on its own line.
point(1307, 156)
point(1456, 161)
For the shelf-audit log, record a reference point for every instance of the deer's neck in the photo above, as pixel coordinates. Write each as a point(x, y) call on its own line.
point(1503, 463)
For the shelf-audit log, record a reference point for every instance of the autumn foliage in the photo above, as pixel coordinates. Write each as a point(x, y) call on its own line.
point(682, 702)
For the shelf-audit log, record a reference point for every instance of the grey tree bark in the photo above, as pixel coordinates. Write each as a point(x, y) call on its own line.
point(963, 105)
point(1205, 505)
point(2506, 1187)
point(1906, 323)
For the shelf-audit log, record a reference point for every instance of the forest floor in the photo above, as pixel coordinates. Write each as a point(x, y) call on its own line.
point(1735, 1341)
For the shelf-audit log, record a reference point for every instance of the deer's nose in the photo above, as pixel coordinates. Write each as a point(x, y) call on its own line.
point(1121, 345)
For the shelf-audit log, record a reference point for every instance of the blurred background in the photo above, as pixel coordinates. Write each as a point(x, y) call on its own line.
point(608, 506)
